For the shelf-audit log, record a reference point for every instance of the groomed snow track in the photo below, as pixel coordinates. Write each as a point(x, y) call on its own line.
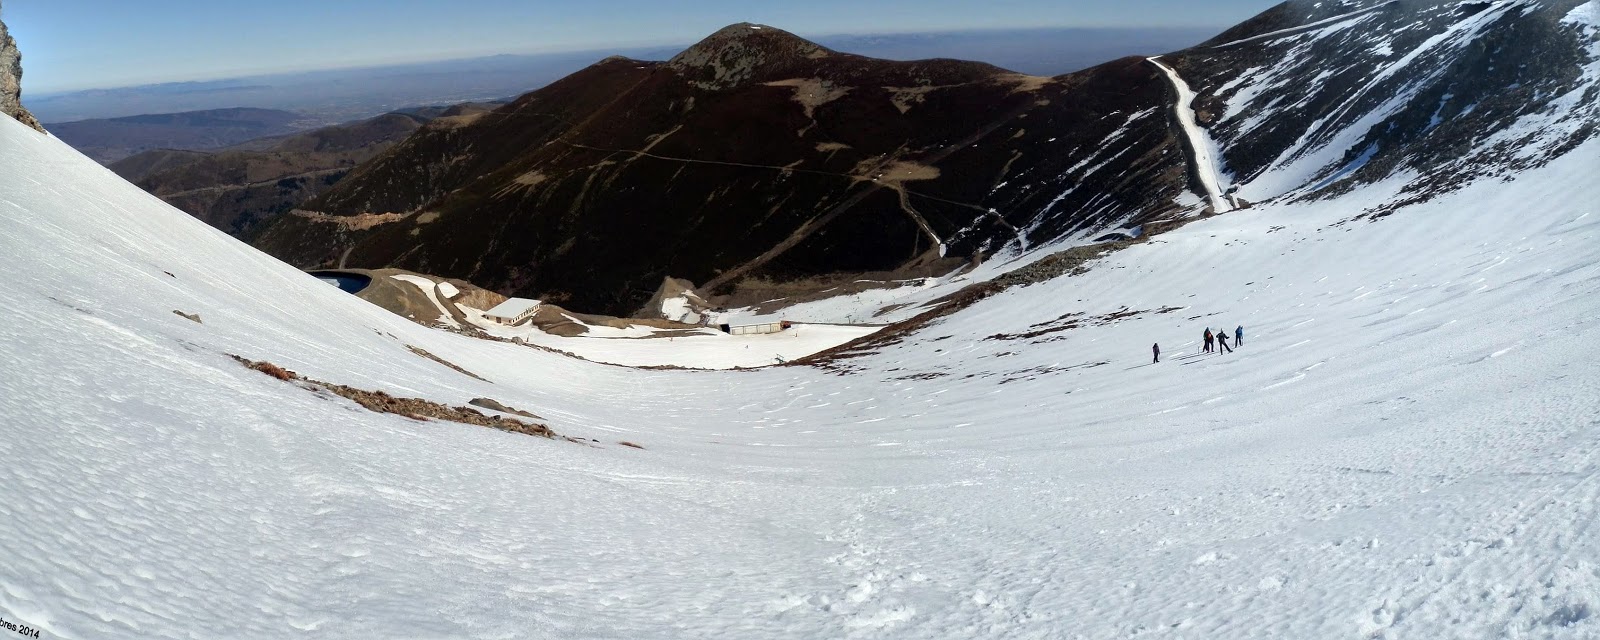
point(1201, 152)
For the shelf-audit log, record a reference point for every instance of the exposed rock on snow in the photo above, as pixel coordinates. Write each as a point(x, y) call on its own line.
point(11, 81)
point(414, 408)
point(494, 405)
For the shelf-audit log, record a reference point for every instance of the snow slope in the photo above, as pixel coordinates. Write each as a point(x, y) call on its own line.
point(1281, 33)
point(1359, 92)
point(1405, 446)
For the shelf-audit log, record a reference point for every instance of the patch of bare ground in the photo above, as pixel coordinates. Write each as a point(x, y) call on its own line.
point(625, 443)
point(555, 320)
point(904, 98)
point(891, 309)
point(895, 172)
point(1023, 82)
point(812, 92)
point(1075, 320)
point(475, 297)
point(1034, 372)
point(358, 222)
point(669, 334)
point(456, 122)
point(531, 178)
point(474, 332)
point(414, 408)
point(1067, 262)
point(424, 353)
point(192, 317)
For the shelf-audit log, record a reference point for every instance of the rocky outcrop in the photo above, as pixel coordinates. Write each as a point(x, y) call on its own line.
point(11, 81)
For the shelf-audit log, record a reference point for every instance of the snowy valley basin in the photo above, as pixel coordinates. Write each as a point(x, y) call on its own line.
point(1406, 441)
point(1406, 444)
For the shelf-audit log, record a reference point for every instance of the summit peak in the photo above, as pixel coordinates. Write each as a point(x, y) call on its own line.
point(735, 53)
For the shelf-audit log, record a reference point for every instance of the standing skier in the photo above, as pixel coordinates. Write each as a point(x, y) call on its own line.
point(1238, 336)
point(1222, 342)
point(1156, 349)
point(1209, 340)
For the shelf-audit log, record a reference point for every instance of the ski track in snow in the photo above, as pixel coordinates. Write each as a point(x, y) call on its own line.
point(1420, 477)
point(1311, 26)
point(1207, 157)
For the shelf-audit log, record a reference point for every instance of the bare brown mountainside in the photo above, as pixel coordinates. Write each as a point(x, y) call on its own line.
point(754, 153)
point(238, 188)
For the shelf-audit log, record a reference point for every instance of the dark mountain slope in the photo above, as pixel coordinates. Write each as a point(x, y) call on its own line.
point(753, 154)
point(758, 155)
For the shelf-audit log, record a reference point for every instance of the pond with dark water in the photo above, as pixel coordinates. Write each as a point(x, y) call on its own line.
point(348, 282)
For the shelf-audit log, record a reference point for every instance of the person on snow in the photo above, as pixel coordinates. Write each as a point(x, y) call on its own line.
point(1238, 336)
point(1156, 349)
point(1222, 342)
point(1209, 340)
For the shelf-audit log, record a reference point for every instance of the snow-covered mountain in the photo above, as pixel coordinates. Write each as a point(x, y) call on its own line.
point(1313, 98)
point(1407, 444)
point(758, 156)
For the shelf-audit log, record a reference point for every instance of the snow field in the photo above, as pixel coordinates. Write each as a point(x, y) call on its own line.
point(1405, 445)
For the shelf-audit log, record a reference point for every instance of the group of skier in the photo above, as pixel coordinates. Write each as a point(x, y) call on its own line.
point(1214, 342)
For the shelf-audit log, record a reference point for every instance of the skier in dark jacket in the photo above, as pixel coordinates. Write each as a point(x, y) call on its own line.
point(1222, 342)
point(1209, 340)
point(1156, 349)
point(1238, 336)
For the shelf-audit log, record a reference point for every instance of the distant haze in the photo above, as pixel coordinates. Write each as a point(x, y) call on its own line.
point(86, 44)
point(347, 94)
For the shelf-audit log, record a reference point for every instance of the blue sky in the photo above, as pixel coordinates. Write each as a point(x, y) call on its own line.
point(79, 44)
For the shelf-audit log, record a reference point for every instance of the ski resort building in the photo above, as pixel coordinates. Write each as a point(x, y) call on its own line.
point(756, 329)
point(512, 311)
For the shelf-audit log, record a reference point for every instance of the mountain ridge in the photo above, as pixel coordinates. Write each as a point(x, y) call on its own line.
point(848, 139)
point(758, 156)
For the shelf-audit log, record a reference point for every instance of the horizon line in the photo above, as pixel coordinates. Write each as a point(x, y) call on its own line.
point(246, 75)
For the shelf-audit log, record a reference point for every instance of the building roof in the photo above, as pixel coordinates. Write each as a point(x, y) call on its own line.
point(750, 321)
point(512, 308)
